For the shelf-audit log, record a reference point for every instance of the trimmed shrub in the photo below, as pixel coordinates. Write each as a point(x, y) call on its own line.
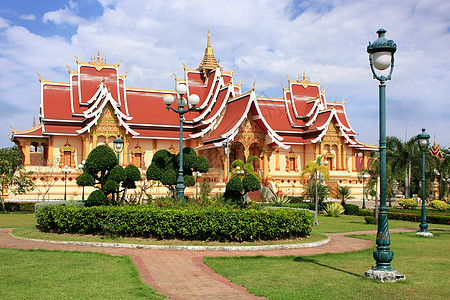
point(97, 198)
point(351, 209)
point(366, 212)
point(334, 209)
point(208, 224)
point(407, 203)
point(370, 220)
point(297, 199)
point(440, 205)
point(41, 205)
point(415, 217)
point(19, 206)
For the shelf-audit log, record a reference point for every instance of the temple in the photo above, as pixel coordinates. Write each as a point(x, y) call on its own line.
point(96, 105)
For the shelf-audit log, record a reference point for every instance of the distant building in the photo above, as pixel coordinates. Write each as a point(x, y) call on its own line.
point(96, 105)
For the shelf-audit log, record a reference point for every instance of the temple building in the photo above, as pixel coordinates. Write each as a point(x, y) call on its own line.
point(95, 106)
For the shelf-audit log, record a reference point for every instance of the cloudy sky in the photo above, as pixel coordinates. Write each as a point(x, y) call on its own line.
point(262, 40)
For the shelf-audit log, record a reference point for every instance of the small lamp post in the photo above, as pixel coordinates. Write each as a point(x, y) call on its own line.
point(363, 176)
point(381, 57)
point(423, 141)
point(81, 167)
point(118, 147)
point(319, 162)
point(66, 170)
point(197, 175)
point(227, 153)
point(181, 103)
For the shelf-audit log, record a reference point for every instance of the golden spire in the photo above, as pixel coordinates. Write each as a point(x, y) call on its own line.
point(209, 62)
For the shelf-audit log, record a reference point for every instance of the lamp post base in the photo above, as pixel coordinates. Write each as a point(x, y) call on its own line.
point(384, 275)
point(424, 233)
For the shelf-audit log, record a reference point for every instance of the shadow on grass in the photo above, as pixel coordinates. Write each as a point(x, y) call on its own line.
point(313, 261)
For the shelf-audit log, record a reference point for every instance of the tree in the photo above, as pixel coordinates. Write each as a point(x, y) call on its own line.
point(401, 157)
point(102, 171)
point(164, 167)
point(344, 193)
point(45, 172)
point(13, 176)
point(243, 179)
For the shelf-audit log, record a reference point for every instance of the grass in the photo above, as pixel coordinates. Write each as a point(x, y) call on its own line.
point(341, 276)
point(41, 274)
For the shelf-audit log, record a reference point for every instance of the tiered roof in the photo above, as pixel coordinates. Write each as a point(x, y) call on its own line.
point(302, 116)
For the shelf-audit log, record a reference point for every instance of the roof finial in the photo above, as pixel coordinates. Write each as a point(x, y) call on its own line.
point(209, 38)
point(209, 62)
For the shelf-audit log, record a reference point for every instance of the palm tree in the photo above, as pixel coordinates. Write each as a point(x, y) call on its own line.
point(312, 168)
point(344, 193)
point(401, 156)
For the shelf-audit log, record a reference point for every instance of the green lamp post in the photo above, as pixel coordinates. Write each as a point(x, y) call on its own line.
point(118, 148)
point(381, 57)
point(423, 141)
point(181, 103)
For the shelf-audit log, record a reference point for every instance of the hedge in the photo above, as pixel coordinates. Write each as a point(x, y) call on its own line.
point(19, 206)
point(414, 217)
point(206, 224)
point(41, 205)
point(351, 209)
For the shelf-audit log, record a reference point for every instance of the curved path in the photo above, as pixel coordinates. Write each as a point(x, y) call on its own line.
point(181, 274)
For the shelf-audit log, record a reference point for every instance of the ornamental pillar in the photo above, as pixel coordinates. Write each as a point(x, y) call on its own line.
point(353, 160)
point(266, 157)
point(339, 158)
point(126, 153)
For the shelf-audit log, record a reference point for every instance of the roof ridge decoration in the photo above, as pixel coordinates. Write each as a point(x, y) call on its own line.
point(209, 62)
point(43, 81)
point(101, 98)
point(98, 64)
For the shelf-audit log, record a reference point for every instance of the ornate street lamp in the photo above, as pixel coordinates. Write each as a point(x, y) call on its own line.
point(118, 147)
point(181, 103)
point(81, 167)
point(423, 141)
point(319, 162)
point(363, 176)
point(381, 57)
point(66, 170)
point(227, 153)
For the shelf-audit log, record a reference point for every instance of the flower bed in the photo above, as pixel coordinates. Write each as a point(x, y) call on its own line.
point(207, 224)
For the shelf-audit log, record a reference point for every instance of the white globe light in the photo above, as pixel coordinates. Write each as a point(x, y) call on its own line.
point(382, 60)
point(181, 89)
point(179, 102)
point(194, 99)
point(423, 143)
point(168, 99)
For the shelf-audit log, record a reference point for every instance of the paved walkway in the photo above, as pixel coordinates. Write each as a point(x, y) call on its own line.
point(181, 274)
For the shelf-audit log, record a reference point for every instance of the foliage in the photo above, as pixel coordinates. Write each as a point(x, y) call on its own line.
point(407, 203)
point(251, 183)
point(13, 177)
point(97, 198)
point(233, 191)
point(279, 200)
point(19, 206)
point(243, 179)
point(297, 199)
point(351, 209)
point(101, 169)
point(41, 205)
point(416, 217)
point(440, 205)
point(220, 224)
point(334, 209)
point(370, 220)
point(344, 193)
point(164, 167)
point(205, 190)
point(366, 212)
point(323, 192)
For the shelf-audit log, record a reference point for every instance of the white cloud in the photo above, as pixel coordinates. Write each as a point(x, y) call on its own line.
point(27, 17)
point(264, 41)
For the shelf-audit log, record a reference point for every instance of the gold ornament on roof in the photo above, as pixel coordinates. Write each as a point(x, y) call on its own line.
point(98, 63)
point(209, 62)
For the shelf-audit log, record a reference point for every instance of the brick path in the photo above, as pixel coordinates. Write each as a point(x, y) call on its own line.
point(181, 274)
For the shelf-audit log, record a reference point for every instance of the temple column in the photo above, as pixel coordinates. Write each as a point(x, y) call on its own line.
point(225, 166)
point(277, 160)
point(155, 146)
point(126, 153)
point(50, 150)
point(353, 161)
point(266, 157)
point(304, 157)
point(366, 160)
point(339, 158)
point(321, 148)
point(86, 141)
point(94, 140)
point(316, 151)
point(344, 157)
point(25, 145)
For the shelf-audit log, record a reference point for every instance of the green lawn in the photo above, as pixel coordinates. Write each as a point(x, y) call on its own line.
point(424, 261)
point(41, 274)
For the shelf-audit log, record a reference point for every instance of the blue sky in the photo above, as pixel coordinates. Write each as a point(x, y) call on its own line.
point(262, 40)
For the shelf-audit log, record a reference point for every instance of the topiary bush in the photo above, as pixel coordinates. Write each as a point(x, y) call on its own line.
point(407, 203)
point(207, 224)
point(440, 205)
point(41, 205)
point(97, 198)
point(351, 209)
point(370, 220)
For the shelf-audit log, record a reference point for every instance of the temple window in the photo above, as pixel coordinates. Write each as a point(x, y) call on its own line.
point(67, 156)
point(291, 162)
point(137, 157)
point(38, 153)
